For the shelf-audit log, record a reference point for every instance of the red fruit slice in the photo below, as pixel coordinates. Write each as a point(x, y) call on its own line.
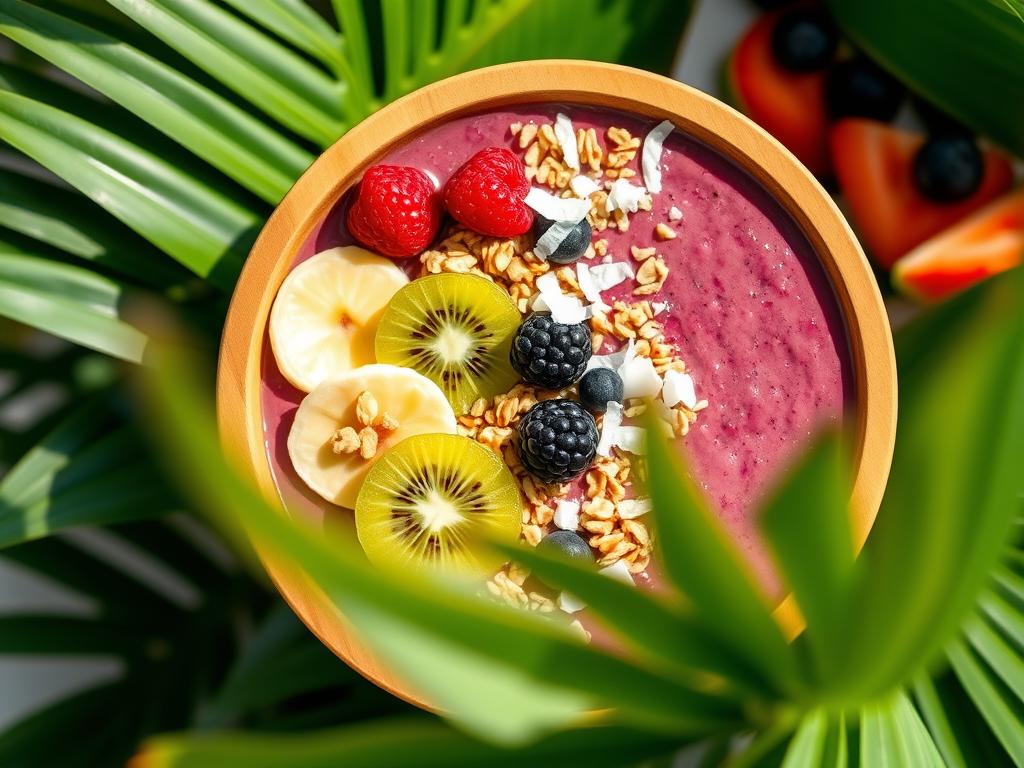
point(874, 165)
point(985, 243)
point(789, 105)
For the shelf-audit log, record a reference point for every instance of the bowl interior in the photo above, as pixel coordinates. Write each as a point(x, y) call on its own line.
point(254, 401)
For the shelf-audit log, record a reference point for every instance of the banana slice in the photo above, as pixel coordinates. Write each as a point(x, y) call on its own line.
point(325, 315)
point(413, 403)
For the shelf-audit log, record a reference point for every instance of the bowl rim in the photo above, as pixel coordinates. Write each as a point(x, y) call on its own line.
point(699, 115)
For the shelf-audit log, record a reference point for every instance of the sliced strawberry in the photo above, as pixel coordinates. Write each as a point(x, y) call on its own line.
point(989, 241)
point(486, 194)
point(789, 105)
point(873, 163)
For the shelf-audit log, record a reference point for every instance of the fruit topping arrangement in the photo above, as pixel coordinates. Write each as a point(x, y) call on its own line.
point(833, 107)
point(494, 395)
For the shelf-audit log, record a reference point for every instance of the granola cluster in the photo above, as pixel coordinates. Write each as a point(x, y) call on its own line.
point(372, 422)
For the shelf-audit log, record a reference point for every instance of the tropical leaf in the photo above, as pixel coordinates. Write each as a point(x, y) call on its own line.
point(68, 301)
point(963, 55)
point(953, 494)
point(210, 126)
point(205, 232)
point(399, 744)
point(71, 223)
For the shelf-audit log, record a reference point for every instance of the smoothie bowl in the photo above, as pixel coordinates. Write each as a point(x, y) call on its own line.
point(452, 327)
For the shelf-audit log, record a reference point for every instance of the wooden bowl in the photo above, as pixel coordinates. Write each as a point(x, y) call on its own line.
point(694, 113)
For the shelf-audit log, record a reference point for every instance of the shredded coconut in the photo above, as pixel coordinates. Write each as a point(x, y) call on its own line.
point(609, 426)
point(650, 156)
point(624, 197)
point(658, 307)
point(609, 275)
point(674, 214)
point(567, 209)
point(630, 509)
point(566, 136)
point(619, 570)
point(615, 360)
point(563, 309)
point(572, 604)
point(679, 388)
point(631, 439)
point(639, 378)
point(567, 515)
point(587, 283)
point(583, 186)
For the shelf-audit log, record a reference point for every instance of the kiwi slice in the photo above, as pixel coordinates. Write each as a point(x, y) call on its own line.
point(434, 502)
point(456, 330)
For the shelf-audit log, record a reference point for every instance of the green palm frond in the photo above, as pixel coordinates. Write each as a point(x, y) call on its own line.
point(502, 674)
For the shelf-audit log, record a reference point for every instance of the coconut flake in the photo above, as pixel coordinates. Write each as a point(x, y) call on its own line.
point(619, 570)
point(658, 307)
point(609, 275)
point(630, 509)
point(567, 515)
point(552, 238)
point(631, 439)
point(624, 196)
point(570, 603)
point(567, 209)
point(566, 136)
point(674, 214)
point(609, 426)
point(564, 309)
point(639, 378)
point(678, 388)
point(587, 283)
point(614, 360)
point(583, 186)
point(650, 155)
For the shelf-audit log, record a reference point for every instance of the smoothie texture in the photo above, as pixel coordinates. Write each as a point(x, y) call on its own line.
point(745, 302)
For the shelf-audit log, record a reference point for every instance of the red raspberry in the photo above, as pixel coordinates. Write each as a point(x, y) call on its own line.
point(397, 211)
point(486, 194)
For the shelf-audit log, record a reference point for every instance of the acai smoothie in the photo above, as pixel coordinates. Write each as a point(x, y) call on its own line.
point(707, 282)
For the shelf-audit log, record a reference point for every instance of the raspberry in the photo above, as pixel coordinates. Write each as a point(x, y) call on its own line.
point(397, 211)
point(549, 354)
point(557, 440)
point(486, 194)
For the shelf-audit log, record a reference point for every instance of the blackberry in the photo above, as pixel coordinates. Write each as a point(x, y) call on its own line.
point(549, 354)
point(557, 440)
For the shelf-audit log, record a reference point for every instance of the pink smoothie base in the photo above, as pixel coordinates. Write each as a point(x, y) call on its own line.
point(749, 307)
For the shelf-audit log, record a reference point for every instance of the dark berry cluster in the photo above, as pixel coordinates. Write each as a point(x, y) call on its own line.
point(549, 354)
point(557, 440)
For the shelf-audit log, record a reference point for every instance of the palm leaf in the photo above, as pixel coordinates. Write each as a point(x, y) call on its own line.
point(400, 744)
point(68, 301)
point(254, 66)
point(204, 231)
point(203, 122)
point(67, 221)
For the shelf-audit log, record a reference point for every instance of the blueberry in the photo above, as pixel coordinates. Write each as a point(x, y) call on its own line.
point(948, 168)
point(804, 40)
point(568, 544)
point(573, 247)
point(858, 87)
point(598, 386)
